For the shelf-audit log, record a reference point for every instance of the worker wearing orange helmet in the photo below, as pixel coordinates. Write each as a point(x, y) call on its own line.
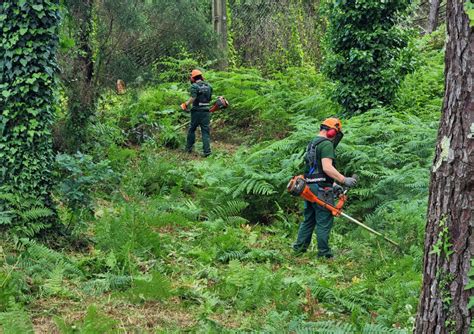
point(201, 95)
point(320, 175)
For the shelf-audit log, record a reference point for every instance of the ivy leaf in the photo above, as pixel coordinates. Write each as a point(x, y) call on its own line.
point(471, 303)
point(37, 8)
point(6, 93)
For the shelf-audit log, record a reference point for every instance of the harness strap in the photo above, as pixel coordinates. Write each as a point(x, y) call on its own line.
point(315, 162)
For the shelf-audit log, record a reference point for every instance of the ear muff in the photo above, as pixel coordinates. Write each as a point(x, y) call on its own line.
point(331, 133)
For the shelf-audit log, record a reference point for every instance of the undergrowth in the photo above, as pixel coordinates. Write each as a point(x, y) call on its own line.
point(210, 239)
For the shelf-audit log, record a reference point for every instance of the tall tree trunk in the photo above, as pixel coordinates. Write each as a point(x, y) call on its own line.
point(81, 90)
point(449, 242)
point(433, 17)
point(219, 15)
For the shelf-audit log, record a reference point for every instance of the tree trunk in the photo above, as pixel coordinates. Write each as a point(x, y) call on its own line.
point(81, 90)
point(449, 242)
point(219, 14)
point(433, 18)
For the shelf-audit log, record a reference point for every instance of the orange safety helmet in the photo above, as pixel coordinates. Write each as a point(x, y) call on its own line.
point(333, 123)
point(195, 73)
point(333, 126)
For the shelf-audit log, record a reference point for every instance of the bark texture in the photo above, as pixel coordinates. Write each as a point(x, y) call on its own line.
point(449, 242)
point(433, 17)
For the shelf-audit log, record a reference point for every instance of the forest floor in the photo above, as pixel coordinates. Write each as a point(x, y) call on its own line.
point(236, 277)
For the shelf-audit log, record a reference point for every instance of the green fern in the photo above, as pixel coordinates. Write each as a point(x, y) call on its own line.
point(35, 213)
point(23, 217)
point(15, 322)
point(380, 329)
point(107, 282)
point(229, 211)
point(324, 327)
point(226, 257)
point(157, 288)
point(254, 186)
point(93, 322)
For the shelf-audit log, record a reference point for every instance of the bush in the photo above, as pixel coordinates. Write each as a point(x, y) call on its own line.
point(80, 177)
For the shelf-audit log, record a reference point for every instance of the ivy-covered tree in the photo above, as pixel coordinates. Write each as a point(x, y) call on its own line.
point(28, 43)
point(364, 43)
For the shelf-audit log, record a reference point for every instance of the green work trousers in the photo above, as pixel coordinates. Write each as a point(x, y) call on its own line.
point(201, 119)
point(319, 217)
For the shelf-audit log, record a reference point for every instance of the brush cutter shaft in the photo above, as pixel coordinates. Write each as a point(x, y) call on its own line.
point(355, 221)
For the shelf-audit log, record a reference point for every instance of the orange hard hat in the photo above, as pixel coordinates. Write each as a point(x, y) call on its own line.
point(333, 123)
point(195, 73)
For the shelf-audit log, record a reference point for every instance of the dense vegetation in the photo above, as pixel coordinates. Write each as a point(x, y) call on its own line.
point(157, 240)
point(27, 84)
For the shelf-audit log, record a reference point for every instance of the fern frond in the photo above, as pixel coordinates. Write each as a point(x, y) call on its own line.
point(229, 211)
point(36, 213)
point(324, 327)
point(226, 257)
point(380, 329)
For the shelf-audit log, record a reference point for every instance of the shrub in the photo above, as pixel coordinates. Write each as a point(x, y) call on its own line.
point(363, 57)
point(80, 177)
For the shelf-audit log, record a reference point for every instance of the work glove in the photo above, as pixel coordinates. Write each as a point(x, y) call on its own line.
point(184, 106)
point(350, 182)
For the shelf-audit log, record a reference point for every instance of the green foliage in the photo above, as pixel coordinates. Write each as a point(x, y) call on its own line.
point(78, 76)
point(204, 245)
point(23, 217)
point(139, 116)
point(27, 67)
point(134, 36)
point(363, 58)
point(264, 106)
point(80, 177)
point(127, 233)
point(16, 322)
point(261, 35)
point(250, 288)
point(469, 8)
point(155, 289)
point(332, 327)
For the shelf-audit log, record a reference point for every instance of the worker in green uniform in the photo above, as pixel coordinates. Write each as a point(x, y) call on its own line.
point(320, 175)
point(201, 95)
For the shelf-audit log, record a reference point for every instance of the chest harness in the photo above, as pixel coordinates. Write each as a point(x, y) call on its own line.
point(203, 98)
point(313, 160)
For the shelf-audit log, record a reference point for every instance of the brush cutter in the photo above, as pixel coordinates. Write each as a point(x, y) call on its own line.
point(298, 187)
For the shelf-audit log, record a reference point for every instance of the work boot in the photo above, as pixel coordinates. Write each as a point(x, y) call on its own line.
point(205, 155)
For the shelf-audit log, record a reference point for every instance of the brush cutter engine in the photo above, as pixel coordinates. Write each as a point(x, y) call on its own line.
point(221, 103)
point(296, 186)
